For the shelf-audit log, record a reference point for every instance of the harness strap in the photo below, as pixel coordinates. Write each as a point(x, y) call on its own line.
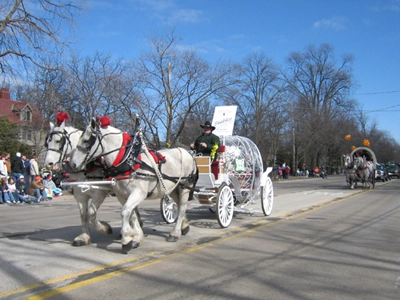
point(158, 173)
point(123, 151)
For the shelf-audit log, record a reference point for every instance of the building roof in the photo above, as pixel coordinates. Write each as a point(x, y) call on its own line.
point(13, 109)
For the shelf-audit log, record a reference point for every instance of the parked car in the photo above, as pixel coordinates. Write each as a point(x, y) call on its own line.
point(393, 171)
point(381, 172)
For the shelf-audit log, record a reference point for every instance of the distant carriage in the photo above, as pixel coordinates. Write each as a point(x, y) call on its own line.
point(360, 166)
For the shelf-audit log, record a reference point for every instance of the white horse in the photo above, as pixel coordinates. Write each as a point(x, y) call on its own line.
point(351, 174)
point(347, 161)
point(138, 176)
point(60, 142)
point(364, 169)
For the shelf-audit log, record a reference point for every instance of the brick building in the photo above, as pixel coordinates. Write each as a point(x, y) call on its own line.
point(27, 116)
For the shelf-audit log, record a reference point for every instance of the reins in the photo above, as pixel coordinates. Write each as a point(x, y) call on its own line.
point(158, 173)
point(130, 160)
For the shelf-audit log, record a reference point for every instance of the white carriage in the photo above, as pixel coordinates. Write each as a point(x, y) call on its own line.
point(352, 173)
point(230, 183)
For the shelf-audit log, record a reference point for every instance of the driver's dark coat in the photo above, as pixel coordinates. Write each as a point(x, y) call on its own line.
point(210, 139)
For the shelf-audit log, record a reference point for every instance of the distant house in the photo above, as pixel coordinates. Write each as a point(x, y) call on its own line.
point(26, 115)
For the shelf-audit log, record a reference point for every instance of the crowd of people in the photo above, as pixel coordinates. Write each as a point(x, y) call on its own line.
point(21, 181)
point(283, 172)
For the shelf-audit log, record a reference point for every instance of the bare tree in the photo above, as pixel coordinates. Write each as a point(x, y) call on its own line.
point(320, 86)
point(259, 97)
point(98, 86)
point(174, 82)
point(31, 30)
point(49, 89)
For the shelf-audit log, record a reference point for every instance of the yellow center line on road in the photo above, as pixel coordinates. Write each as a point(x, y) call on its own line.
point(67, 277)
point(51, 293)
point(156, 255)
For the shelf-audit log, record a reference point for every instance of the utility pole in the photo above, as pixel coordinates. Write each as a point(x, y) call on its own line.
point(293, 141)
point(169, 104)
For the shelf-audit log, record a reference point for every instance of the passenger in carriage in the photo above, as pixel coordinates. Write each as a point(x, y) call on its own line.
point(207, 143)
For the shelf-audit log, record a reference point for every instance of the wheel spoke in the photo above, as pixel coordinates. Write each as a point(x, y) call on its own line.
point(225, 206)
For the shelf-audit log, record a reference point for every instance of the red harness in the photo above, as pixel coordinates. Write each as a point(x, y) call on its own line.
point(125, 140)
point(123, 153)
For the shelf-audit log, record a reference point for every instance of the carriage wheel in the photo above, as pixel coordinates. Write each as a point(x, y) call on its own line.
point(169, 210)
point(224, 205)
point(267, 197)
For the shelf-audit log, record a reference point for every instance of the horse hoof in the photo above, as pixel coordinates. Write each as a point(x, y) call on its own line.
point(78, 243)
point(107, 226)
point(127, 247)
point(186, 230)
point(172, 239)
point(135, 244)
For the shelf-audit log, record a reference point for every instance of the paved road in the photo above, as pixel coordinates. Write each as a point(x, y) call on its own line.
point(38, 259)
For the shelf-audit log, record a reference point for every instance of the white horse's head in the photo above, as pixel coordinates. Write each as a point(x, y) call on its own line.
point(96, 141)
point(60, 142)
point(359, 163)
point(346, 160)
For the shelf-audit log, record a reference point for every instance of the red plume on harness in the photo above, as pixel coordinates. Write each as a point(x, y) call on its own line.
point(104, 121)
point(61, 117)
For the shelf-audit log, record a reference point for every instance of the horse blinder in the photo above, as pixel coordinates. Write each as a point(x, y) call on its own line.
point(49, 138)
point(90, 142)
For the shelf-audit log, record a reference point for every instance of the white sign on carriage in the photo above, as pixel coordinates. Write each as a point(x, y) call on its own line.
point(224, 120)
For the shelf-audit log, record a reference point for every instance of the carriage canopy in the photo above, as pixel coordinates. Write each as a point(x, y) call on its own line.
point(243, 161)
point(365, 151)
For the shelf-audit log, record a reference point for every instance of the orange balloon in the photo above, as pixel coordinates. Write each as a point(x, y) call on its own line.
point(366, 143)
point(347, 137)
point(353, 147)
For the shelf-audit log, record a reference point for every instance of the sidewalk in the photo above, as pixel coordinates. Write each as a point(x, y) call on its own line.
point(291, 178)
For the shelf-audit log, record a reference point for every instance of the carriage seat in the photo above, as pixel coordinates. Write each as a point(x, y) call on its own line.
point(205, 166)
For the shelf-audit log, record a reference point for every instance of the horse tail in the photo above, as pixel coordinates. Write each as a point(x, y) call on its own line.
point(195, 178)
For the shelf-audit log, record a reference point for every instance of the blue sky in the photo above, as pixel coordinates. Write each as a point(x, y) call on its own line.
point(232, 29)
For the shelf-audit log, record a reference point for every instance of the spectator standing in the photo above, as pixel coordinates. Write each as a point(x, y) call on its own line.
point(7, 163)
point(305, 168)
point(280, 172)
point(17, 167)
point(26, 171)
point(21, 192)
point(37, 189)
point(287, 171)
point(3, 167)
point(34, 168)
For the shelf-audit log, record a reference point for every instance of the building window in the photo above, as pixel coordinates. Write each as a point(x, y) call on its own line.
point(26, 115)
point(26, 134)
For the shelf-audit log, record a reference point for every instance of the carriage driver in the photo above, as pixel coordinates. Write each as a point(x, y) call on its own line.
point(206, 142)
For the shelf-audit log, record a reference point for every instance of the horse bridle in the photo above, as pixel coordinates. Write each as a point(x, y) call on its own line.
point(65, 140)
point(97, 136)
point(93, 137)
